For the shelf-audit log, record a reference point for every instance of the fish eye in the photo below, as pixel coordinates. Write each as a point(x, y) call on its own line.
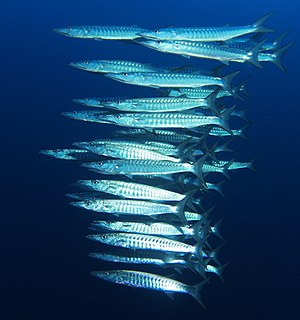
point(56, 150)
point(95, 182)
point(86, 99)
point(75, 112)
point(86, 62)
point(125, 74)
point(88, 203)
point(156, 31)
point(106, 273)
point(159, 42)
point(118, 116)
point(103, 236)
point(100, 163)
point(69, 28)
point(118, 102)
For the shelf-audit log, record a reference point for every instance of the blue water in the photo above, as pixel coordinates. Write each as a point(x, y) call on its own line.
point(44, 263)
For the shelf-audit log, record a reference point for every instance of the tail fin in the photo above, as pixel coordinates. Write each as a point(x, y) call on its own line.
point(241, 132)
point(217, 270)
point(218, 187)
point(217, 70)
point(241, 114)
point(258, 25)
point(198, 168)
point(196, 291)
point(227, 81)
point(216, 229)
point(224, 147)
point(277, 41)
point(224, 117)
point(278, 54)
point(226, 167)
point(253, 54)
point(211, 101)
point(214, 254)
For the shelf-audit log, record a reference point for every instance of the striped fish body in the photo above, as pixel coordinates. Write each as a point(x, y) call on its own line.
point(128, 207)
point(235, 165)
point(139, 167)
point(101, 32)
point(160, 120)
point(202, 50)
point(128, 152)
point(145, 242)
point(159, 80)
point(132, 190)
point(113, 66)
point(158, 228)
point(160, 104)
point(145, 280)
point(193, 93)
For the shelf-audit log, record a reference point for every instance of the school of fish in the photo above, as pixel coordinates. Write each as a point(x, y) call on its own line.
point(154, 175)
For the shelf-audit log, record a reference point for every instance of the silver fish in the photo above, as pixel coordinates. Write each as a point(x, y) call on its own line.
point(150, 281)
point(101, 32)
point(207, 33)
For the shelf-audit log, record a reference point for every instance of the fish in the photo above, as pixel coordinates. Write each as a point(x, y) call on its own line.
point(132, 207)
point(132, 190)
point(97, 102)
point(224, 54)
point(132, 168)
point(155, 120)
point(150, 281)
point(121, 151)
point(196, 231)
point(72, 154)
point(174, 80)
point(113, 66)
point(101, 32)
point(148, 242)
point(207, 34)
point(163, 104)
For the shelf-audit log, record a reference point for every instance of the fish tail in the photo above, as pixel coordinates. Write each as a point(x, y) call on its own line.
point(226, 167)
point(211, 101)
point(253, 54)
point(198, 168)
point(277, 41)
point(251, 165)
point(227, 81)
point(216, 229)
point(220, 270)
point(196, 292)
point(242, 132)
point(259, 24)
point(242, 114)
point(278, 54)
point(224, 117)
point(218, 188)
point(214, 254)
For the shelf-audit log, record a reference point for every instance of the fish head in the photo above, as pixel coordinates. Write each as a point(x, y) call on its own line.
point(58, 153)
point(161, 34)
point(115, 276)
point(90, 102)
point(120, 105)
point(88, 65)
point(163, 46)
point(74, 31)
point(105, 167)
point(90, 204)
point(130, 77)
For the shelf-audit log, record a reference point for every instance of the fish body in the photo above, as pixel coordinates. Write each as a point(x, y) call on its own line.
point(223, 53)
point(207, 34)
point(138, 279)
point(174, 80)
point(126, 152)
point(112, 66)
point(72, 154)
point(159, 104)
point(132, 190)
point(101, 32)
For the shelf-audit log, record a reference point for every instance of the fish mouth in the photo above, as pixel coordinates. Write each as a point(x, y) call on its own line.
point(147, 35)
point(61, 31)
point(77, 65)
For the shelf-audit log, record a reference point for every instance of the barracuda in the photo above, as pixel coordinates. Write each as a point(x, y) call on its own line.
point(147, 242)
point(96, 102)
point(165, 260)
point(150, 281)
point(197, 231)
point(145, 167)
point(163, 104)
point(158, 80)
point(126, 152)
point(208, 33)
point(113, 66)
point(72, 154)
point(155, 119)
point(131, 190)
point(101, 32)
point(224, 53)
point(132, 207)
point(166, 149)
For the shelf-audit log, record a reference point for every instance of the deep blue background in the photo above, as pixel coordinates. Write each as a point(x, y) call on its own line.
point(44, 264)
